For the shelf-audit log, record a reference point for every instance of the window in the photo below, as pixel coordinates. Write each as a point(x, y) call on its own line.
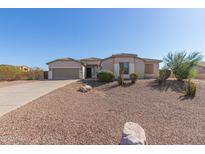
point(149, 68)
point(124, 67)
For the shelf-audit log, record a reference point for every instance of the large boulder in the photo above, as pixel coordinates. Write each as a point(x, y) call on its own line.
point(88, 87)
point(85, 88)
point(133, 134)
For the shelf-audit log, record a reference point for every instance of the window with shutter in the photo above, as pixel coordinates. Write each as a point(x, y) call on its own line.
point(149, 69)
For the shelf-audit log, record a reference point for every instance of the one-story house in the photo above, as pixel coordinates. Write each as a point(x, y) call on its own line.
point(25, 68)
point(68, 68)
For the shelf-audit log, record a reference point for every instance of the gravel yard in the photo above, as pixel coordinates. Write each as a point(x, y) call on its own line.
point(66, 116)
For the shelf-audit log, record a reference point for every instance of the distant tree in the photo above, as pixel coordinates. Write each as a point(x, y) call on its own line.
point(35, 74)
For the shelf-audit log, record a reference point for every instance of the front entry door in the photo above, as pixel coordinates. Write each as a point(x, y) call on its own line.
point(88, 72)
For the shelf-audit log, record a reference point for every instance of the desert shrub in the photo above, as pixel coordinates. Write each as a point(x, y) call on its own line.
point(35, 74)
point(133, 77)
point(164, 74)
point(105, 76)
point(120, 81)
point(159, 80)
point(190, 88)
point(22, 76)
point(183, 65)
point(9, 73)
point(38, 73)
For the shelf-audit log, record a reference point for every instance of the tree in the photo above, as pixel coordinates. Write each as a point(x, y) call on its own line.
point(183, 65)
point(36, 73)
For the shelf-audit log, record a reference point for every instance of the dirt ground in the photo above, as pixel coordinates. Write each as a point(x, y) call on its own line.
point(67, 116)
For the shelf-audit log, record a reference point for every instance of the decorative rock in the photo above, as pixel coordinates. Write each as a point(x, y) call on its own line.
point(88, 87)
point(133, 134)
point(85, 88)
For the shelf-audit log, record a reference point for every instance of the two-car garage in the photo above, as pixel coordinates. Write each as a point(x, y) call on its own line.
point(65, 73)
point(64, 69)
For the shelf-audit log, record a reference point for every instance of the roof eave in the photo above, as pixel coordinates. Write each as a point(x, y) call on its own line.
point(70, 59)
point(157, 61)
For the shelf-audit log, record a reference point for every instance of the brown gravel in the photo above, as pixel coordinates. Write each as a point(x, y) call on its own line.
point(66, 116)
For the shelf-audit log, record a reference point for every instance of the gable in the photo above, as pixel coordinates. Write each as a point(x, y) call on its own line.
point(64, 64)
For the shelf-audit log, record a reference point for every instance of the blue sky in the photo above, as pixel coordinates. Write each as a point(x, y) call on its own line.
point(35, 36)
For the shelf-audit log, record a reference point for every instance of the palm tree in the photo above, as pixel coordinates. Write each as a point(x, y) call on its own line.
point(183, 65)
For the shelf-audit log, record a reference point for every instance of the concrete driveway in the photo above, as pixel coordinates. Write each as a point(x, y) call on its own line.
point(12, 97)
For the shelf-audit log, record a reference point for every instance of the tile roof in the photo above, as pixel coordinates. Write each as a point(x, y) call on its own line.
point(148, 59)
point(94, 58)
point(124, 54)
point(91, 58)
point(65, 59)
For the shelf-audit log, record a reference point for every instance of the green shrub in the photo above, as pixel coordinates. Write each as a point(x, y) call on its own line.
point(105, 76)
point(190, 88)
point(164, 74)
point(133, 77)
point(192, 74)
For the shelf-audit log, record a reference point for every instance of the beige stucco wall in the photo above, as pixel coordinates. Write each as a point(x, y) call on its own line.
point(108, 64)
point(112, 64)
point(139, 67)
point(121, 59)
point(156, 69)
point(201, 69)
point(200, 72)
point(64, 64)
point(82, 72)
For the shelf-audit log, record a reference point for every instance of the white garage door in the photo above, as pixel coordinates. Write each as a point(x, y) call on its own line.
point(65, 73)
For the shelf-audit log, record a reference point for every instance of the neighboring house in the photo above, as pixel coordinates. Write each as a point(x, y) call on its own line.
point(68, 68)
point(201, 71)
point(25, 68)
